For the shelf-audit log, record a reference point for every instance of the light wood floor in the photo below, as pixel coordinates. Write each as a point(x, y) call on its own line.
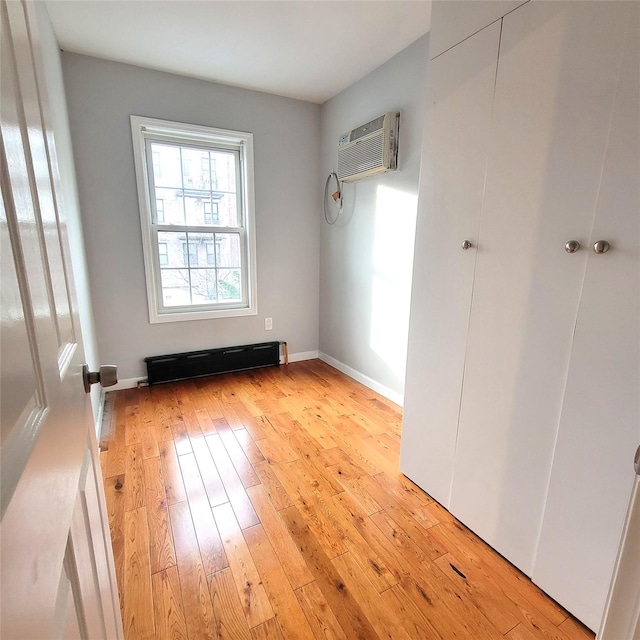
point(269, 505)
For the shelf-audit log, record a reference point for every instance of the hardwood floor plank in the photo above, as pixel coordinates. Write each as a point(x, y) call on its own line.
point(384, 619)
point(135, 495)
point(238, 497)
point(269, 630)
point(342, 463)
point(293, 565)
point(211, 548)
point(248, 445)
point(229, 615)
point(405, 499)
point(346, 610)
point(209, 472)
point(520, 633)
point(255, 603)
point(138, 618)
point(313, 510)
point(356, 492)
point(205, 421)
point(283, 601)
point(169, 414)
point(479, 592)
point(277, 493)
point(403, 519)
point(241, 463)
point(171, 473)
point(181, 438)
point(160, 543)
point(168, 609)
point(318, 612)
point(360, 544)
point(198, 609)
point(148, 436)
point(132, 418)
point(273, 446)
point(417, 625)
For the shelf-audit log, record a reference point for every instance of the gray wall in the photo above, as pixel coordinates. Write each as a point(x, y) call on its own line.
point(366, 257)
point(69, 192)
point(101, 96)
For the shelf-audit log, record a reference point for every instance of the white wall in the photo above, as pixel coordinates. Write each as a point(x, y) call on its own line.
point(366, 258)
point(101, 97)
point(69, 193)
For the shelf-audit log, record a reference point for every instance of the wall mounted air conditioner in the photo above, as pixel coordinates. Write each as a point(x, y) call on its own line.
point(369, 149)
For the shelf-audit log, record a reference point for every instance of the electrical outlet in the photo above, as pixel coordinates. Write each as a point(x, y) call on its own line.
point(268, 324)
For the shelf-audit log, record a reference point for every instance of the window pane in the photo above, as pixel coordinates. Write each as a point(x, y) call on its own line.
point(195, 169)
point(166, 165)
point(227, 209)
point(173, 242)
point(228, 250)
point(223, 171)
point(175, 287)
point(198, 248)
point(203, 286)
point(196, 206)
point(172, 206)
point(229, 285)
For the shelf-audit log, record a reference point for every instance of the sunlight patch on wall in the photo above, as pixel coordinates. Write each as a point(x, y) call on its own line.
point(394, 234)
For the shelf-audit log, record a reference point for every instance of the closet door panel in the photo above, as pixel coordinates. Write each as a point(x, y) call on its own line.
point(555, 85)
point(592, 474)
point(455, 152)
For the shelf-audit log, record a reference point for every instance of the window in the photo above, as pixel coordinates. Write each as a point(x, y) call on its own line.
point(211, 211)
point(190, 256)
point(199, 243)
point(211, 253)
point(162, 254)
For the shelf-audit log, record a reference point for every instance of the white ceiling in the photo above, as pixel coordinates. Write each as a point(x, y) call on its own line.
point(305, 49)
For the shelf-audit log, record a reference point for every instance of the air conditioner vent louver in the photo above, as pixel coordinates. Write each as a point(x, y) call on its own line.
point(369, 149)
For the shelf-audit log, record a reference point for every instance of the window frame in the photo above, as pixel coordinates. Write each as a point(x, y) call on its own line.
point(151, 129)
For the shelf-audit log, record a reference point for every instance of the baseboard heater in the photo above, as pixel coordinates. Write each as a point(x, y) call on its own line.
point(196, 364)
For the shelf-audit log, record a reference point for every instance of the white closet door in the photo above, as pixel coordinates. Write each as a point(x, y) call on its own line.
point(457, 140)
point(556, 81)
point(592, 474)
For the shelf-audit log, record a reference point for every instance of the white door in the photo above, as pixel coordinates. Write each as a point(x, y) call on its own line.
point(556, 81)
point(599, 428)
point(461, 84)
point(57, 566)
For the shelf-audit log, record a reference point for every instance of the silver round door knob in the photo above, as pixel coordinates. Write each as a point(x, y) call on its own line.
point(107, 376)
point(466, 244)
point(602, 246)
point(572, 246)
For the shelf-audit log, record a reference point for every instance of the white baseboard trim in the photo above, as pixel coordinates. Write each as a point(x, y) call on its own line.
point(390, 394)
point(302, 355)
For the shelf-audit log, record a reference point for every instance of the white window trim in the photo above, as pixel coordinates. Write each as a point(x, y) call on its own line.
point(141, 128)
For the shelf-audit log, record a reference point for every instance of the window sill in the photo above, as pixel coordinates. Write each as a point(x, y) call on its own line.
point(186, 316)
